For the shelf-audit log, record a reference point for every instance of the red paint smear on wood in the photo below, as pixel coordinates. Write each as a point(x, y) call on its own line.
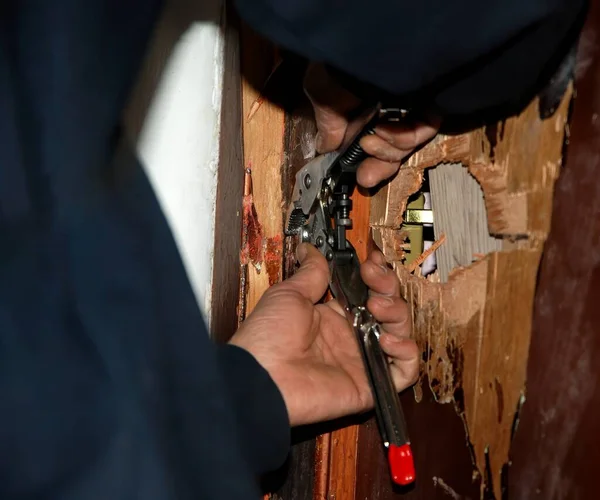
point(256, 249)
point(252, 235)
point(274, 258)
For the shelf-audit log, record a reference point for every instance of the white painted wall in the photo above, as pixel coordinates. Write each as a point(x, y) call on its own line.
point(174, 116)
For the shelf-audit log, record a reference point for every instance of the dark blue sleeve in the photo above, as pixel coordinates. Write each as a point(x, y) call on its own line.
point(462, 57)
point(258, 405)
point(109, 384)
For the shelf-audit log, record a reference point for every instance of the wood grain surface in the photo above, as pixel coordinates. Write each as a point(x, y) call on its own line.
point(263, 126)
point(556, 449)
point(474, 330)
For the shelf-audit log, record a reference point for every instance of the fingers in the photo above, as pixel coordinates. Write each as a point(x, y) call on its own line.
point(404, 355)
point(407, 138)
point(332, 104)
point(392, 313)
point(331, 129)
point(389, 146)
point(312, 278)
point(385, 302)
point(375, 146)
point(378, 277)
point(391, 143)
point(373, 171)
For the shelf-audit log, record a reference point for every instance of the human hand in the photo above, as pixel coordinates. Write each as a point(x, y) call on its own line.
point(387, 148)
point(310, 350)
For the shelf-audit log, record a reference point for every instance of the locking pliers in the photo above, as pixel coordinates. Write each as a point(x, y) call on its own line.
point(319, 213)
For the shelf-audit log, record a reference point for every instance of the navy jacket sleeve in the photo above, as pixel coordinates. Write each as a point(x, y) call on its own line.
point(461, 57)
point(259, 408)
point(110, 387)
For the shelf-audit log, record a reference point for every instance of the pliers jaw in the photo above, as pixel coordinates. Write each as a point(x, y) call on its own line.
point(310, 182)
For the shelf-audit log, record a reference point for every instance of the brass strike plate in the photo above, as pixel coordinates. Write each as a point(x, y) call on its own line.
point(418, 216)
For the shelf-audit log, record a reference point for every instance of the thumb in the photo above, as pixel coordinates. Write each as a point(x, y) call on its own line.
point(331, 103)
point(312, 278)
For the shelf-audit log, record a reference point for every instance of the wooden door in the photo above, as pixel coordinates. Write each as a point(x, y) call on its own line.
point(486, 375)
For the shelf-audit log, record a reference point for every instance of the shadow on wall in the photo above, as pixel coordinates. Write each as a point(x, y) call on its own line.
point(173, 119)
point(177, 17)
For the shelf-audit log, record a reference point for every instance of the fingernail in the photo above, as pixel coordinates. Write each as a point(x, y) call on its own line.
point(383, 269)
point(301, 252)
point(392, 339)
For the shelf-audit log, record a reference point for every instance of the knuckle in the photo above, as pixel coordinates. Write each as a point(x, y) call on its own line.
point(322, 267)
point(276, 292)
point(413, 139)
point(410, 370)
point(286, 297)
point(315, 267)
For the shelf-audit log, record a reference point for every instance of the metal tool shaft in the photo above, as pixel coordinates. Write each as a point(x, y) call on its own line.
point(390, 416)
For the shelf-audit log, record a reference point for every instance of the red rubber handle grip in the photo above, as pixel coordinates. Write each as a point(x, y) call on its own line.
point(402, 465)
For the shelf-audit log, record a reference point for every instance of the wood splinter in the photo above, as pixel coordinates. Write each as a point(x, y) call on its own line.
point(258, 102)
point(423, 257)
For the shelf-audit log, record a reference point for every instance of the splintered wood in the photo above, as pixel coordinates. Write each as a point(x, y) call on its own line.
point(263, 125)
point(475, 328)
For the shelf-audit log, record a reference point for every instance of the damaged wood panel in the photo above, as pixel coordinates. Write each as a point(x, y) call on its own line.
point(441, 434)
point(263, 137)
point(556, 449)
point(474, 330)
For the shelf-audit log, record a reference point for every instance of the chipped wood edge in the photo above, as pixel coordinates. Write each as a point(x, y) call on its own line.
point(518, 202)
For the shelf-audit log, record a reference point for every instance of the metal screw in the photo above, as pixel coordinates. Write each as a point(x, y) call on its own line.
point(330, 240)
point(320, 241)
point(307, 181)
point(329, 255)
